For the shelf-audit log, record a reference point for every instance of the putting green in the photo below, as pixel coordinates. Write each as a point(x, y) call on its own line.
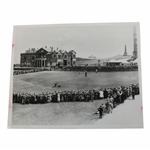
point(43, 81)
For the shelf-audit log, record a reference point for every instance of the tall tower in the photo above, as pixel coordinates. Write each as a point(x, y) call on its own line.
point(135, 55)
point(125, 52)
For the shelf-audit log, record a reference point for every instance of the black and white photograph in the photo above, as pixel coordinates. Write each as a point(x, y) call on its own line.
point(76, 76)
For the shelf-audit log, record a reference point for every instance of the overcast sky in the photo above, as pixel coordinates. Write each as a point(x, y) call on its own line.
point(100, 40)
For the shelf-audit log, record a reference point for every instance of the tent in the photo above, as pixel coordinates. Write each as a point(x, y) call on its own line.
point(113, 62)
point(125, 62)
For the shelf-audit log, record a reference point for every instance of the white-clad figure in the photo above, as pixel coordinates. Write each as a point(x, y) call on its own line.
point(101, 94)
point(58, 97)
point(49, 98)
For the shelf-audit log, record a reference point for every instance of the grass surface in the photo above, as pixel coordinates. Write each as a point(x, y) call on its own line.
point(65, 113)
point(44, 81)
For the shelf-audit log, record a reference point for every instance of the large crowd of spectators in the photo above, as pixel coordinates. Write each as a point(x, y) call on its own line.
point(102, 68)
point(79, 68)
point(119, 94)
point(17, 72)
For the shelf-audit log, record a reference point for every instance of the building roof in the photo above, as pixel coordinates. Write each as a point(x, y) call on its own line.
point(124, 61)
point(41, 50)
point(48, 50)
point(31, 51)
point(114, 61)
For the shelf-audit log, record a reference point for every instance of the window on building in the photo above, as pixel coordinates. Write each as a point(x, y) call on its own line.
point(54, 56)
point(74, 62)
point(65, 56)
point(59, 56)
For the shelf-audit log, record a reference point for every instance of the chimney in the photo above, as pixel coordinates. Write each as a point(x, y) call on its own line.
point(125, 52)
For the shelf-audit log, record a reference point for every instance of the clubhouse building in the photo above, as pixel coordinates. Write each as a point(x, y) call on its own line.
point(47, 57)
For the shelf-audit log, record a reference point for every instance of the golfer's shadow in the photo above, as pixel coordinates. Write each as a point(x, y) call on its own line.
point(96, 117)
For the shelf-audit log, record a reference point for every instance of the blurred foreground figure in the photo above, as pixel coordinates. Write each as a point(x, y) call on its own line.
point(101, 110)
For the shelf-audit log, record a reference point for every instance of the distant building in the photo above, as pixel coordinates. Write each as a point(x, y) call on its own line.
point(44, 58)
point(125, 52)
point(92, 57)
point(113, 63)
